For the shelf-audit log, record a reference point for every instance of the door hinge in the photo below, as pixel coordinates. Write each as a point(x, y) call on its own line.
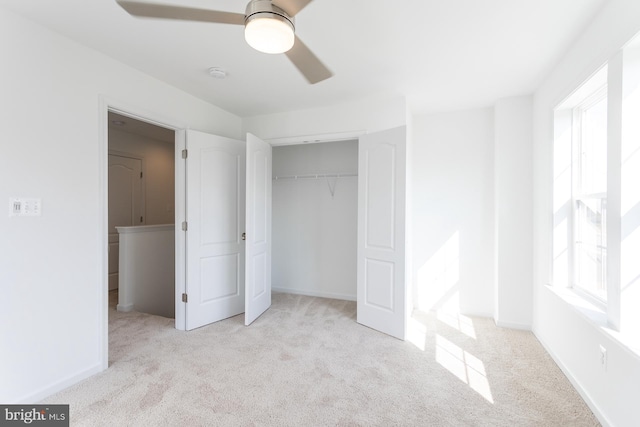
point(140, 219)
point(184, 153)
point(184, 297)
point(140, 174)
point(184, 225)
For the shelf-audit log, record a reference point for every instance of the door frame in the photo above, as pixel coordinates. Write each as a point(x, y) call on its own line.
point(107, 105)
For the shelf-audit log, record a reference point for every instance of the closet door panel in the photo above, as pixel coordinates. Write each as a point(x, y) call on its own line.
point(215, 213)
point(381, 232)
point(258, 229)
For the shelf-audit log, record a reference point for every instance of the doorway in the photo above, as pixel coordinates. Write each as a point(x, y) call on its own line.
point(315, 219)
point(141, 186)
point(383, 300)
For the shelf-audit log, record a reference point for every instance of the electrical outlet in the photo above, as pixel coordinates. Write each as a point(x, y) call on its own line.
point(603, 357)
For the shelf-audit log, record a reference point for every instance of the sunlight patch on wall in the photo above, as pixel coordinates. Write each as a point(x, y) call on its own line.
point(630, 180)
point(417, 333)
point(630, 264)
point(465, 366)
point(439, 275)
point(630, 248)
point(630, 197)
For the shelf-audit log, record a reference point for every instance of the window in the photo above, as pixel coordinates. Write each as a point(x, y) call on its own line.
point(596, 196)
point(580, 190)
point(589, 192)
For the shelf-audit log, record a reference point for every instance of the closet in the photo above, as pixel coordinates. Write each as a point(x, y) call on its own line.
point(325, 219)
point(315, 219)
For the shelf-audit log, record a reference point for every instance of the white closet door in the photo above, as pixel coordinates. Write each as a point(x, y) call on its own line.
point(381, 231)
point(126, 205)
point(258, 229)
point(215, 217)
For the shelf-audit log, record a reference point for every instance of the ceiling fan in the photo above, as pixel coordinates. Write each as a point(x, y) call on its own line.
point(269, 27)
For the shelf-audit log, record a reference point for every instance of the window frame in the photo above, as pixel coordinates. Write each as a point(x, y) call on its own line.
point(578, 113)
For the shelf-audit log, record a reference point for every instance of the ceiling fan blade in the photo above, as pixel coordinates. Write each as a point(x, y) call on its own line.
point(292, 7)
point(308, 64)
point(150, 10)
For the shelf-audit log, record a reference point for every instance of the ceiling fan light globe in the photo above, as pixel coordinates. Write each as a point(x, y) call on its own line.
point(269, 34)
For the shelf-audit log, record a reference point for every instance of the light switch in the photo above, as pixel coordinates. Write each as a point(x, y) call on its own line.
point(25, 207)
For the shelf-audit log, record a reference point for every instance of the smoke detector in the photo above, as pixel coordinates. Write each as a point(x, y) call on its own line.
point(217, 72)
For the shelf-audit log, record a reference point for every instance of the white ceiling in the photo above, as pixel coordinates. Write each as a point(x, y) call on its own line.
point(441, 54)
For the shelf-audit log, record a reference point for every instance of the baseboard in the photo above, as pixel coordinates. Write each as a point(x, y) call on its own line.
point(314, 294)
point(124, 307)
point(476, 314)
point(513, 325)
point(576, 384)
point(47, 391)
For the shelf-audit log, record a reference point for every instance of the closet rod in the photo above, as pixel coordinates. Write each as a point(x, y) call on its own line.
point(316, 176)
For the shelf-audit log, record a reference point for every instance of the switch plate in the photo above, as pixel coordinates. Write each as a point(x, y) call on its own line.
point(25, 207)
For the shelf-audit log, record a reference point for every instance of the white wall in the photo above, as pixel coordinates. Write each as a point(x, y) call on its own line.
point(572, 338)
point(315, 231)
point(52, 267)
point(364, 116)
point(453, 213)
point(159, 171)
point(513, 168)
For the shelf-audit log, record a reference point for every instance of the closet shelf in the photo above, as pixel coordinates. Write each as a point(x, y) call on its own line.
point(315, 176)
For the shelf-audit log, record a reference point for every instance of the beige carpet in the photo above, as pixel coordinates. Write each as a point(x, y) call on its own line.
point(306, 362)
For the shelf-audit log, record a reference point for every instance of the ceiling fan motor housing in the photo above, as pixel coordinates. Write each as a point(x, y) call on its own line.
point(268, 28)
point(266, 9)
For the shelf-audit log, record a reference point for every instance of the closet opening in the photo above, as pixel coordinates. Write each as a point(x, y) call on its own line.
point(315, 219)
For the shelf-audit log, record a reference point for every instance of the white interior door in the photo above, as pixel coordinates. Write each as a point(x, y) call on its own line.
point(215, 195)
point(381, 231)
point(258, 229)
point(125, 202)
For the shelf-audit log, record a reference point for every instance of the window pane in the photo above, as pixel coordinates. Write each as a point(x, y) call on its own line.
point(591, 251)
point(593, 144)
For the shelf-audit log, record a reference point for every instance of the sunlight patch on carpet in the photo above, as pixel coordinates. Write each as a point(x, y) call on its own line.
point(465, 366)
point(458, 321)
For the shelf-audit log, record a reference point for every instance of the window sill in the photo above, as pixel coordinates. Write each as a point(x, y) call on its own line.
point(598, 317)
